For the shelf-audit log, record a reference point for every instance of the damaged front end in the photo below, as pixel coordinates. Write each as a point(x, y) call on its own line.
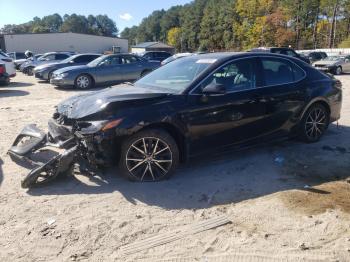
point(30, 144)
point(54, 153)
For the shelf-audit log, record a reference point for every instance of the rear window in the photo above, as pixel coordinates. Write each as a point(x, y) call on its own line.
point(314, 74)
point(280, 71)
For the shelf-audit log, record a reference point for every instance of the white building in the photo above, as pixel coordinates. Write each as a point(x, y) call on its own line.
point(47, 42)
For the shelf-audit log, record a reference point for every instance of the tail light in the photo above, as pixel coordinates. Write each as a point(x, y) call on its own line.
point(2, 69)
point(6, 59)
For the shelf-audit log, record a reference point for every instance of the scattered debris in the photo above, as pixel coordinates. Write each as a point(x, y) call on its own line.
point(304, 247)
point(123, 224)
point(174, 235)
point(51, 221)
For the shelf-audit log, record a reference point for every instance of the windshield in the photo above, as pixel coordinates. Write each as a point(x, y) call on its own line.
point(333, 58)
point(95, 62)
point(42, 58)
point(176, 76)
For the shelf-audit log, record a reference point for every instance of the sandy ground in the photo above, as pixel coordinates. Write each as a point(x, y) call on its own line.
point(274, 218)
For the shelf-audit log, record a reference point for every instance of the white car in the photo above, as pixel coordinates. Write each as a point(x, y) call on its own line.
point(9, 64)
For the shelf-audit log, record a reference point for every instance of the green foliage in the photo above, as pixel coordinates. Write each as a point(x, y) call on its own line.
point(214, 25)
point(99, 25)
point(345, 43)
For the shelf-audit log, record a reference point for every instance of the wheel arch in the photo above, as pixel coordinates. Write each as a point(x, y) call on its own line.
point(175, 133)
point(85, 73)
point(318, 100)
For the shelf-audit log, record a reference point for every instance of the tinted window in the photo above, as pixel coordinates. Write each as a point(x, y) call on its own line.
point(277, 71)
point(236, 76)
point(148, 56)
point(61, 56)
point(20, 56)
point(84, 58)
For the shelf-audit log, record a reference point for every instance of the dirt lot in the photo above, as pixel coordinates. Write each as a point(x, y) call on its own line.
point(262, 191)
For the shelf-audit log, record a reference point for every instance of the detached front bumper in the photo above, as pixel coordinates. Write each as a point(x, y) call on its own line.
point(32, 140)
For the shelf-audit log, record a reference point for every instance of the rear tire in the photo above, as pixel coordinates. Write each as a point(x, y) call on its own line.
point(30, 71)
point(314, 123)
point(149, 156)
point(83, 81)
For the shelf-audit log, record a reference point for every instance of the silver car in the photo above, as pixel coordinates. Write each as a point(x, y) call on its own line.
point(52, 57)
point(334, 64)
point(103, 71)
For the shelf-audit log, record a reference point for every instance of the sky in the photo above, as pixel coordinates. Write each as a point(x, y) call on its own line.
point(125, 13)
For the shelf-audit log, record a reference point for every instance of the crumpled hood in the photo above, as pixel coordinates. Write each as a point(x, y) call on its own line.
point(80, 106)
point(71, 68)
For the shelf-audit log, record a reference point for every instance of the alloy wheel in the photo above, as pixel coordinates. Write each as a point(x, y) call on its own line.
point(149, 159)
point(83, 82)
point(316, 123)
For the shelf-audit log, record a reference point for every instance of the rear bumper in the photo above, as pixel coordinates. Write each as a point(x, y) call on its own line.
point(4, 79)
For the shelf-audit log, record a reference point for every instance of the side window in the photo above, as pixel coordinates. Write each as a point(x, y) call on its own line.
point(49, 57)
point(61, 56)
point(110, 61)
point(236, 76)
point(291, 53)
point(128, 59)
point(278, 72)
point(148, 56)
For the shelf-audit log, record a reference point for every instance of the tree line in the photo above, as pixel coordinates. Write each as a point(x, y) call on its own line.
point(96, 25)
point(242, 24)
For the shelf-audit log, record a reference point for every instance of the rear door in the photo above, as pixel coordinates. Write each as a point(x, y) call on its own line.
point(283, 92)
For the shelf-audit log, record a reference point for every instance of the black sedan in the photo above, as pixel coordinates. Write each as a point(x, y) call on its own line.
point(44, 72)
point(190, 106)
point(105, 70)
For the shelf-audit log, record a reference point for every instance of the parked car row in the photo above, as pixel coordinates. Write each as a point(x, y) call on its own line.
point(83, 71)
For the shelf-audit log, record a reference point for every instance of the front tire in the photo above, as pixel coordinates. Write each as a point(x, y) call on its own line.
point(149, 156)
point(338, 70)
point(314, 123)
point(30, 71)
point(83, 82)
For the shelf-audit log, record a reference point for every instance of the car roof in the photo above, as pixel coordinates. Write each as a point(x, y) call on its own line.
point(230, 55)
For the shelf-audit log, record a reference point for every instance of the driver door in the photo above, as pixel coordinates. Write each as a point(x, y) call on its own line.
point(235, 116)
point(108, 71)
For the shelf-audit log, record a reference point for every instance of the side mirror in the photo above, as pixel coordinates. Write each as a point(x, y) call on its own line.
point(214, 89)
